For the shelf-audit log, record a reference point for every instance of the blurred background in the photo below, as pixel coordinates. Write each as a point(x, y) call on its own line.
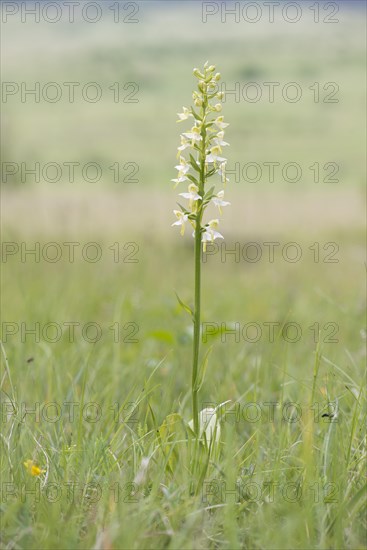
point(141, 67)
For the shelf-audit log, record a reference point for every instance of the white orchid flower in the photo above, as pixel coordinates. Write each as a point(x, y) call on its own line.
point(184, 144)
point(183, 167)
point(219, 140)
point(184, 115)
point(181, 220)
point(194, 135)
point(214, 157)
point(210, 233)
point(219, 122)
point(192, 194)
point(219, 202)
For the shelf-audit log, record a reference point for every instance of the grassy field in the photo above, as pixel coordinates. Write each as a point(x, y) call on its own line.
point(96, 351)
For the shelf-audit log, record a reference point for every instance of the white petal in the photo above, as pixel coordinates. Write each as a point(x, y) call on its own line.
point(208, 424)
point(214, 158)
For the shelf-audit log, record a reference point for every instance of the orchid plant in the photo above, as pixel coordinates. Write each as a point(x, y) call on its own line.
point(200, 159)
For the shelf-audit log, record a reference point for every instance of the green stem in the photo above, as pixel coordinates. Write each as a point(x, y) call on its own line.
point(197, 307)
point(196, 348)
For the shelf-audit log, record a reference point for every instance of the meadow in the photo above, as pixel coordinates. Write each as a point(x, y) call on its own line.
point(96, 350)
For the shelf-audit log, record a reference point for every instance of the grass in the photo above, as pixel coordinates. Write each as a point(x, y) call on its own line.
point(290, 468)
point(301, 473)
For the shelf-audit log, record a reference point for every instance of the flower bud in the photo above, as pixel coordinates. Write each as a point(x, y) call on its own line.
point(220, 95)
point(211, 69)
point(198, 102)
point(197, 73)
point(217, 77)
point(218, 107)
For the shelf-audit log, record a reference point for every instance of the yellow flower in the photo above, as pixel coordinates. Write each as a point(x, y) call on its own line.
point(32, 468)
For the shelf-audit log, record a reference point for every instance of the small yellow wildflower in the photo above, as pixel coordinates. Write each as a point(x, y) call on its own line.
point(32, 468)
